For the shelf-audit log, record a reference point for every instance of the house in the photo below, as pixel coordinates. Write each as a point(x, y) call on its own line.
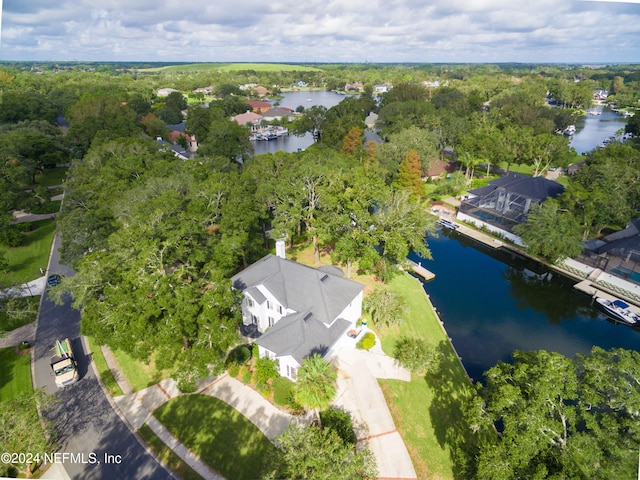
point(354, 87)
point(370, 121)
point(164, 92)
point(204, 90)
point(260, 91)
point(247, 118)
point(617, 253)
point(278, 113)
point(296, 310)
point(505, 202)
point(380, 88)
point(439, 168)
point(258, 106)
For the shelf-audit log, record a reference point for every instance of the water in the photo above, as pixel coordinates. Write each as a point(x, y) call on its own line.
point(293, 100)
point(493, 302)
point(593, 129)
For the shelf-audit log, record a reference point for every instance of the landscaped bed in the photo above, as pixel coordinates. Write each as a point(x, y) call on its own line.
point(217, 433)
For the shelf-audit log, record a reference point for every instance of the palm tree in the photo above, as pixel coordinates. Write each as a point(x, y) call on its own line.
point(316, 384)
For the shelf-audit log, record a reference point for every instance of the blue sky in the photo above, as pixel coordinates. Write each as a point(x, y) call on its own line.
point(575, 31)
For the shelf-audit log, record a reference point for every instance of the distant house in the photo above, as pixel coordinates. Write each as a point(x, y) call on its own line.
point(354, 87)
point(380, 88)
point(438, 168)
point(260, 91)
point(247, 118)
point(164, 92)
point(204, 90)
point(258, 106)
point(370, 121)
point(278, 113)
point(505, 202)
point(297, 310)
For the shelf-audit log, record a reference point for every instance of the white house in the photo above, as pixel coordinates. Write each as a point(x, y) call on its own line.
point(298, 310)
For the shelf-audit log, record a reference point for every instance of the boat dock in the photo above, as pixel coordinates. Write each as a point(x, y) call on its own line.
point(422, 272)
point(587, 287)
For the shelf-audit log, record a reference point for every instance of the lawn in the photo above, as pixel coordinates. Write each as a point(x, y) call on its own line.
point(52, 176)
point(217, 433)
point(428, 410)
point(15, 374)
point(26, 260)
point(139, 374)
point(103, 370)
point(164, 453)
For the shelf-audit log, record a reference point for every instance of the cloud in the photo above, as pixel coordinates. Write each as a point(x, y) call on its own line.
point(317, 30)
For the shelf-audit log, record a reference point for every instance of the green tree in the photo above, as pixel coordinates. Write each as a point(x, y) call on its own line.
point(315, 453)
point(550, 232)
point(386, 307)
point(316, 384)
point(417, 355)
point(227, 139)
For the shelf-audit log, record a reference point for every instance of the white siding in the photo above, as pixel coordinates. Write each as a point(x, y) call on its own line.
point(269, 308)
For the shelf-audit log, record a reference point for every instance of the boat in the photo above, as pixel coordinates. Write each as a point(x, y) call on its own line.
point(619, 310)
point(447, 224)
point(570, 130)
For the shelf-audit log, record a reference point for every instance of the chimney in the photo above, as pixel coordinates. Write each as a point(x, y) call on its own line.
point(280, 248)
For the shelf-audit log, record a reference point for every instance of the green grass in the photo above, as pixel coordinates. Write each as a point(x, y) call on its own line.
point(428, 410)
point(47, 207)
point(15, 374)
point(52, 176)
point(103, 370)
point(139, 374)
point(233, 67)
point(25, 261)
point(166, 455)
point(217, 433)
point(25, 311)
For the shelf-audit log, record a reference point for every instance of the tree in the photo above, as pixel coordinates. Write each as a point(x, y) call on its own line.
point(410, 175)
point(316, 383)
point(227, 139)
point(386, 307)
point(417, 355)
point(550, 232)
point(352, 142)
point(558, 417)
point(313, 453)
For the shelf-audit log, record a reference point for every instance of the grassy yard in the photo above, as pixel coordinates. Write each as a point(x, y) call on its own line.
point(139, 374)
point(25, 311)
point(26, 260)
point(428, 410)
point(52, 176)
point(220, 435)
point(164, 453)
point(103, 370)
point(15, 374)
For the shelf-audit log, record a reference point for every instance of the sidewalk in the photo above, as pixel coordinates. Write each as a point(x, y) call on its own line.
point(136, 408)
point(29, 289)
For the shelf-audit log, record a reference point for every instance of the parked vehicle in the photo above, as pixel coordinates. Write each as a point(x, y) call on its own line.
point(63, 363)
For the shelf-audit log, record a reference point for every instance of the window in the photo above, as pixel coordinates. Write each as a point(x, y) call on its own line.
point(271, 321)
point(249, 302)
point(280, 309)
point(269, 305)
point(292, 372)
point(254, 319)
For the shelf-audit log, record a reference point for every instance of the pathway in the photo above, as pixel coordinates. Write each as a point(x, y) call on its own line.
point(359, 394)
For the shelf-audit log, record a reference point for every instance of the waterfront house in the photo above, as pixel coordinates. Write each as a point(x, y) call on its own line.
point(505, 202)
point(296, 311)
point(278, 113)
point(247, 118)
point(258, 106)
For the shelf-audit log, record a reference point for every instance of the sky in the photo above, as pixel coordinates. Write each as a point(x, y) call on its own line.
point(423, 31)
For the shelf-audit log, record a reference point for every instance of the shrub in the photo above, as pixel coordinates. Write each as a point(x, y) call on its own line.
point(416, 355)
point(266, 369)
point(234, 370)
point(246, 377)
point(240, 355)
point(282, 389)
point(386, 307)
point(367, 341)
point(341, 423)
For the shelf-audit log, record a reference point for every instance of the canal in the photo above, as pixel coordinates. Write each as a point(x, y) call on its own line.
point(493, 302)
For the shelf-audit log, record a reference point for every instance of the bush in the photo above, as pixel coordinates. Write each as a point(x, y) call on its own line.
point(234, 370)
point(246, 377)
point(367, 341)
point(266, 370)
point(416, 355)
point(282, 390)
point(341, 423)
point(240, 355)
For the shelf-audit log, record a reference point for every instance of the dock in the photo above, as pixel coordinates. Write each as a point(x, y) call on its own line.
point(422, 272)
point(587, 287)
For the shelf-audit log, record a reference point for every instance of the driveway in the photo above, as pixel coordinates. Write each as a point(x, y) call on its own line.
point(359, 394)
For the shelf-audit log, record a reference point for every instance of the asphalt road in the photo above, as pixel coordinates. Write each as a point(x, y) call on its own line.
point(97, 443)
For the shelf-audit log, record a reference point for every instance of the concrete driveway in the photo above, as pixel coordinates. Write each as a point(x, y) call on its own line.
point(361, 396)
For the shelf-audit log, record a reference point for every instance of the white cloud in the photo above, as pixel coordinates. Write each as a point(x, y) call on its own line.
point(287, 30)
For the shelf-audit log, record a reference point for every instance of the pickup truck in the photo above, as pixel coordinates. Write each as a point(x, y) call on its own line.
point(63, 364)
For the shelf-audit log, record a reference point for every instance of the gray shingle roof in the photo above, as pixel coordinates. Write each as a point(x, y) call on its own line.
point(535, 188)
point(299, 287)
point(301, 335)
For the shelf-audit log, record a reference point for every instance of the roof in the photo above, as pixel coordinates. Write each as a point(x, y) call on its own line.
point(247, 117)
point(278, 112)
point(535, 188)
point(299, 287)
point(258, 104)
point(301, 335)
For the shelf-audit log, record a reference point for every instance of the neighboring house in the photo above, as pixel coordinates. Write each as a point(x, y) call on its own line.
point(258, 106)
point(617, 253)
point(204, 90)
point(370, 136)
point(354, 87)
point(380, 88)
point(438, 168)
point(260, 91)
point(370, 121)
point(164, 92)
point(177, 150)
point(247, 118)
point(505, 202)
point(297, 310)
point(278, 113)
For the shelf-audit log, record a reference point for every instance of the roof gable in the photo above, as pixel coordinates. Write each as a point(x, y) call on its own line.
point(535, 188)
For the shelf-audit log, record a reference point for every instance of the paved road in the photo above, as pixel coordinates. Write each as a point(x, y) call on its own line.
point(83, 416)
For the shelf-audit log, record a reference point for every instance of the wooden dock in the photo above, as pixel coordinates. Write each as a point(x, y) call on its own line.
point(587, 287)
point(422, 272)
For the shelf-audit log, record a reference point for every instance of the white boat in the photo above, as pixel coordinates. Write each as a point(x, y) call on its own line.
point(447, 224)
point(570, 130)
point(619, 310)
